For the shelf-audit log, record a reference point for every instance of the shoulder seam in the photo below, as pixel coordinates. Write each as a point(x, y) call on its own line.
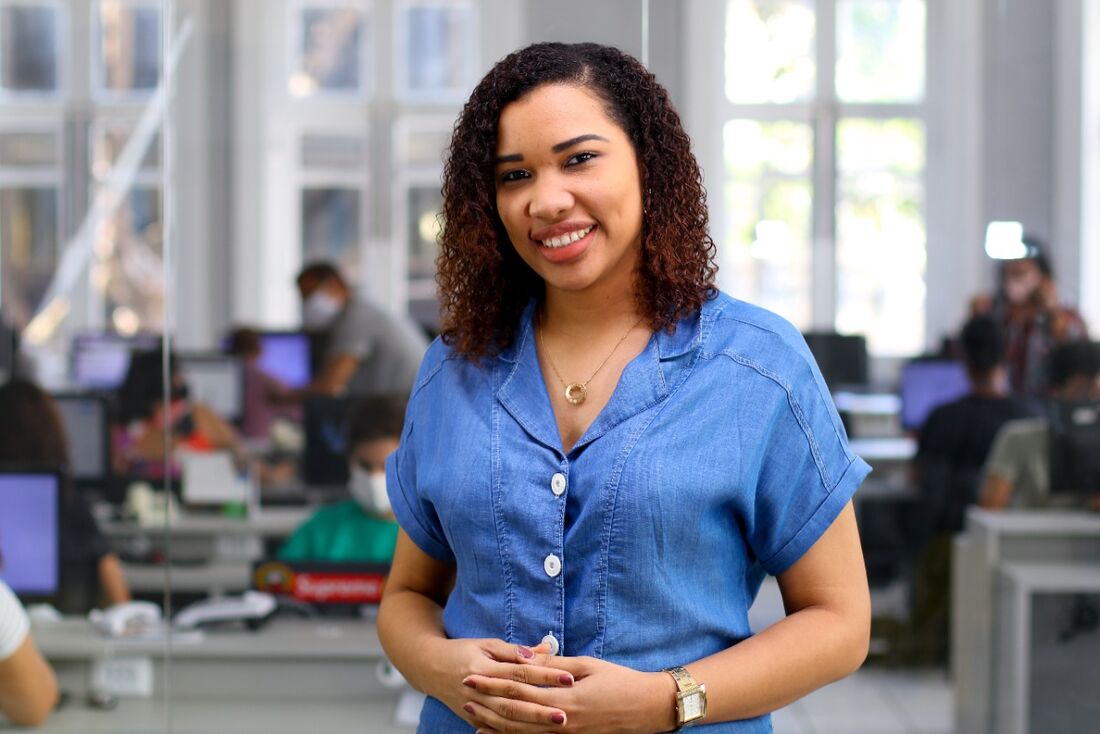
point(795, 406)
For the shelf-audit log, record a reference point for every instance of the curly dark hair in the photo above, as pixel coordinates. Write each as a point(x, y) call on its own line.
point(483, 283)
point(31, 428)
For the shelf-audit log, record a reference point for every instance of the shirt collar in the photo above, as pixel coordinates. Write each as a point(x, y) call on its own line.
point(687, 337)
point(645, 381)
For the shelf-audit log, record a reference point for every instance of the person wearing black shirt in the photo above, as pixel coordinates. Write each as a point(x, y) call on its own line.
point(951, 452)
point(31, 433)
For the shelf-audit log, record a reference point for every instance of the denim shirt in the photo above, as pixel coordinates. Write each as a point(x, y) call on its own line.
point(718, 459)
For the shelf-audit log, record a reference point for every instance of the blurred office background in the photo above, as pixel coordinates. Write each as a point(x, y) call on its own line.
point(168, 166)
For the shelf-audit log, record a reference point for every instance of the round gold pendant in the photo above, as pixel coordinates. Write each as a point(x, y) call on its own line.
point(575, 393)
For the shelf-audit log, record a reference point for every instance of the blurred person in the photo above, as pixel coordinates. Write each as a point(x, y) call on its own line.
point(1017, 473)
point(266, 397)
point(952, 449)
point(1028, 308)
point(362, 528)
point(28, 687)
point(13, 362)
point(367, 349)
point(143, 423)
point(33, 434)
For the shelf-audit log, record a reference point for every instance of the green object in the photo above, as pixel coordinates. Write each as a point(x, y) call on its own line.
point(342, 532)
point(235, 509)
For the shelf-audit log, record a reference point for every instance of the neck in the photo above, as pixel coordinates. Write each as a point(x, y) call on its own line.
point(585, 316)
point(594, 311)
point(989, 385)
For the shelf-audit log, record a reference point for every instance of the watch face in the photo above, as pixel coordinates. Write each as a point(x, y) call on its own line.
point(693, 706)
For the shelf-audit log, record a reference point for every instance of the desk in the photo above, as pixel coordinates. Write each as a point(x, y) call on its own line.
point(1020, 584)
point(367, 716)
point(285, 660)
point(991, 546)
point(226, 545)
point(293, 675)
point(275, 522)
point(876, 450)
point(215, 578)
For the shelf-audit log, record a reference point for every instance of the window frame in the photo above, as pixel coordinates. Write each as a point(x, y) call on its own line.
point(368, 51)
point(62, 61)
point(709, 110)
point(455, 96)
point(102, 96)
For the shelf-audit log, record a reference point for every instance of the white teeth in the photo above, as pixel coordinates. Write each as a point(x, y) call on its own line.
point(567, 239)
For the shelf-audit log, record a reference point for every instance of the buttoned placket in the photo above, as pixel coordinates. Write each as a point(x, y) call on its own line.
point(552, 564)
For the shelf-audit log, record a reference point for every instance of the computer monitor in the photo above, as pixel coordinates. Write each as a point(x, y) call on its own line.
point(324, 461)
point(30, 506)
point(1075, 447)
point(842, 358)
point(216, 380)
point(100, 360)
point(87, 428)
point(286, 355)
point(927, 384)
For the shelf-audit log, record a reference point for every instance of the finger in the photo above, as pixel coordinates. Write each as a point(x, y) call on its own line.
point(578, 666)
point(537, 678)
point(508, 652)
point(513, 717)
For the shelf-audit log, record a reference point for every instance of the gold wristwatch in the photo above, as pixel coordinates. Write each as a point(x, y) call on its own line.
point(691, 698)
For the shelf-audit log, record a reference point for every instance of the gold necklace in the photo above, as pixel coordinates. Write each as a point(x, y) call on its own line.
point(576, 392)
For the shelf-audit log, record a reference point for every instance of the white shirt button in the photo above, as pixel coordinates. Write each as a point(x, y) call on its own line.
point(552, 565)
point(552, 642)
point(557, 484)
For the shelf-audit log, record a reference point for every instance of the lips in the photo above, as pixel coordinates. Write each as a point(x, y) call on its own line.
point(565, 239)
point(565, 246)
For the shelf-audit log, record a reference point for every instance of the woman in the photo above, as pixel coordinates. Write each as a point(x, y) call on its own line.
point(361, 528)
point(1028, 309)
point(603, 454)
point(28, 687)
point(33, 434)
point(144, 425)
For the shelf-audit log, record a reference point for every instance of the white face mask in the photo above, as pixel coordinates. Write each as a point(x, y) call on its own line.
point(369, 490)
point(319, 310)
point(1019, 290)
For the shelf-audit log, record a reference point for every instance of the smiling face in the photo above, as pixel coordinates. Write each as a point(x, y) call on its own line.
point(568, 190)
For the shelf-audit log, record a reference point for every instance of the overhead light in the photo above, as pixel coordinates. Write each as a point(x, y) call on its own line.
point(774, 241)
point(1005, 241)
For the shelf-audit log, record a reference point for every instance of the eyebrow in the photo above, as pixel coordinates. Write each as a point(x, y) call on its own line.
point(558, 148)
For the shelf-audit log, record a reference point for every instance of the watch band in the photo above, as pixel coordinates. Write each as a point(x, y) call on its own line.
point(691, 697)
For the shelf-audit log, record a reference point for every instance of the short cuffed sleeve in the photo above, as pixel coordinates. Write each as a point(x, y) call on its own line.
point(14, 625)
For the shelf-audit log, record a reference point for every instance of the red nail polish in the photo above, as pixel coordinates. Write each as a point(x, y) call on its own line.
point(565, 680)
point(468, 708)
point(558, 719)
point(525, 652)
point(469, 684)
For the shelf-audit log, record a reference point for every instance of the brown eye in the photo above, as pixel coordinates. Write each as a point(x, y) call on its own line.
point(579, 158)
point(517, 175)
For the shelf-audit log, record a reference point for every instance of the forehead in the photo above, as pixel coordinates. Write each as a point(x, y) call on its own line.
point(552, 113)
point(1020, 267)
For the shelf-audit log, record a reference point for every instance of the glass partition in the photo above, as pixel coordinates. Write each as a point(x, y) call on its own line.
point(169, 167)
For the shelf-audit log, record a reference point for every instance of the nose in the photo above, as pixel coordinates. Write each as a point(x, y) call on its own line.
point(550, 198)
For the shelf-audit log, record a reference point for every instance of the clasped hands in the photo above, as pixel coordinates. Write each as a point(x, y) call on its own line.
point(501, 688)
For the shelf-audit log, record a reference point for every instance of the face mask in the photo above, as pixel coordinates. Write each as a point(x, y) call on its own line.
point(369, 490)
point(319, 310)
point(1018, 290)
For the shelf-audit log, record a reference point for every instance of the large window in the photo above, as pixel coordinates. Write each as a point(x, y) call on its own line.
point(30, 48)
point(330, 47)
point(30, 223)
point(126, 49)
point(820, 207)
